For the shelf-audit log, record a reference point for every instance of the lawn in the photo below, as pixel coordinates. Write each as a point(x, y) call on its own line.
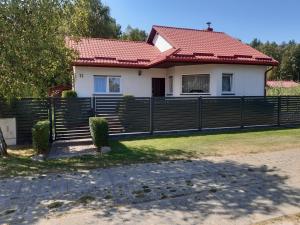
point(155, 149)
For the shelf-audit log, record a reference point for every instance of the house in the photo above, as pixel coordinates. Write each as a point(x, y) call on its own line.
point(172, 62)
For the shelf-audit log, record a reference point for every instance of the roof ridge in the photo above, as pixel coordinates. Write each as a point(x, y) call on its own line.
point(106, 39)
point(185, 28)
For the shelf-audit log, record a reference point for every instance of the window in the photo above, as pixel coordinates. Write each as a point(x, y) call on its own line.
point(100, 84)
point(195, 83)
point(226, 82)
point(170, 84)
point(107, 84)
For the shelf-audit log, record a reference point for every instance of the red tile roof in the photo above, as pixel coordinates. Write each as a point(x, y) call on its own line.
point(96, 51)
point(282, 84)
point(189, 46)
point(209, 46)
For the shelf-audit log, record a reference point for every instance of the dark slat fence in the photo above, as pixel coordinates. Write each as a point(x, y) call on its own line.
point(27, 112)
point(175, 114)
point(221, 112)
point(125, 115)
point(69, 117)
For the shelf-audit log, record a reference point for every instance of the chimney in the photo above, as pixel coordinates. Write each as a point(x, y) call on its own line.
point(209, 28)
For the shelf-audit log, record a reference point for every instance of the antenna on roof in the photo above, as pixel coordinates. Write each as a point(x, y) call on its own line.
point(209, 28)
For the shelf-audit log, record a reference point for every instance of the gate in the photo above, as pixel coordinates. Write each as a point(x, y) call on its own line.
point(71, 117)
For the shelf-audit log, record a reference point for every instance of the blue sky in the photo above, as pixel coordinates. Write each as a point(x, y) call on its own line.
point(274, 20)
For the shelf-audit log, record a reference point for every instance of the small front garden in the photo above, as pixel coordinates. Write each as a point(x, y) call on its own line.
point(155, 149)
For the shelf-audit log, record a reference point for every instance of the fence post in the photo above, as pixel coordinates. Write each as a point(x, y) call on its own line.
point(279, 111)
point(54, 118)
point(50, 119)
point(199, 112)
point(151, 115)
point(242, 111)
point(94, 105)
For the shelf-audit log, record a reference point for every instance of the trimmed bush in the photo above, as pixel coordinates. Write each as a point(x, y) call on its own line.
point(40, 136)
point(69, 94)
point(99, 131)
point(127, 98)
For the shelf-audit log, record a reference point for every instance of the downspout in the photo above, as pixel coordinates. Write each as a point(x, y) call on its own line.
point(265, 88)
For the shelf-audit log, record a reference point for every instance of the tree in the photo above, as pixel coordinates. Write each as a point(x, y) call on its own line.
point(296, 63)
point(134, 34)
point(3, 146)
point(288, 56)
point(255, 43)
point(33, 54)
point(90, 18)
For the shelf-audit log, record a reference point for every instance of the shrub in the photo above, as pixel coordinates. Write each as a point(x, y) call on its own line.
point(40, 136)
point(99, 131)
point(69, 94)
point(127, 98)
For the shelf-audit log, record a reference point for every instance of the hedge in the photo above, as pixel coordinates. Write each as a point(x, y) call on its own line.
point(69, 94)
point(40, 136)
point(99, 131)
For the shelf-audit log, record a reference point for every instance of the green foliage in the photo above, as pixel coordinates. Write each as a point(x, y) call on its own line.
point(288, 55)
point(283, 91)
point(69, 94)
point(134, 34)
point(40, 136)
point(99, 131)
point(33, 53)
point(128, 97)
point(90, 18)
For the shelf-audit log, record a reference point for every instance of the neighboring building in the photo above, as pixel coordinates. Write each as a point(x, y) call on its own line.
point(172, 62)
point(282, 84)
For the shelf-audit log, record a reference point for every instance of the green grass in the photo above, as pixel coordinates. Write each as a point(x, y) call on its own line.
point(283, 91)
point(155, 149)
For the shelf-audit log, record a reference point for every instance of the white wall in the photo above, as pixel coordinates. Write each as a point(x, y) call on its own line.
point(8, 127)
point(161, 43)
point(247, 79)
point(131, 82)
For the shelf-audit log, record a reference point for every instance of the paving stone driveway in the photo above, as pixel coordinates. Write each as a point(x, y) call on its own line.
point(238, 189)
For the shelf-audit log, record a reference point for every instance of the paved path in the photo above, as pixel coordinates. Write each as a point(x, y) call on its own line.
point(239, 189)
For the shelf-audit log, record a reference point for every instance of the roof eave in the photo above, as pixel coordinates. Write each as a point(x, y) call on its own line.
point(224, 61)
point(123, 65)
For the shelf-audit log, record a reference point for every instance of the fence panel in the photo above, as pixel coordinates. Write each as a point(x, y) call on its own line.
point(221, 112)
point(175, 114)
point(260, 111)
point(6, 109)
point(27, 112)
point(124, 114)
point(135, 115)
point(71, 117)
point(289, 110)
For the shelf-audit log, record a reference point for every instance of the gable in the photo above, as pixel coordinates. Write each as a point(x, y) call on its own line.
point(161, 43)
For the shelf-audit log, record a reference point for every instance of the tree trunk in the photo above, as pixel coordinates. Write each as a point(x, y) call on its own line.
point(3, 146)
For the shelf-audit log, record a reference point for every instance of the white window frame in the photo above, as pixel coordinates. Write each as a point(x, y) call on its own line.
point(196, 93)
point(107, 84)
point(231, 83)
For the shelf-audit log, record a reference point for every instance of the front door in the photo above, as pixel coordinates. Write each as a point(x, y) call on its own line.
point(158, 87)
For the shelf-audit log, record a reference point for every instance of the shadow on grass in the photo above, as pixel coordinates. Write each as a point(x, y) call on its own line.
point(121, 155)
point(14, 165)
